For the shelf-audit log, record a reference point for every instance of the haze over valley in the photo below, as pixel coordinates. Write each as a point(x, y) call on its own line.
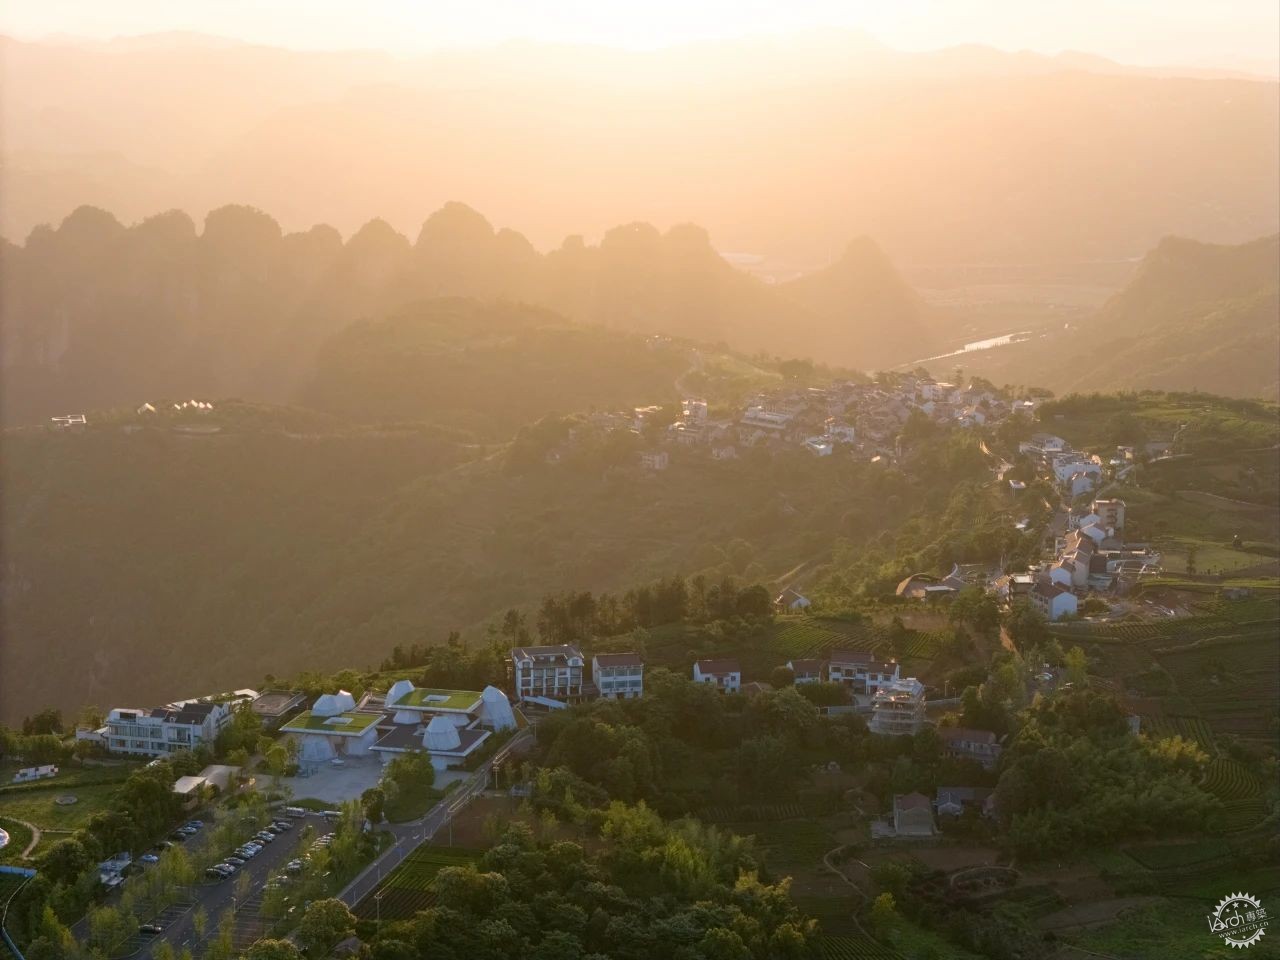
point(717, 481)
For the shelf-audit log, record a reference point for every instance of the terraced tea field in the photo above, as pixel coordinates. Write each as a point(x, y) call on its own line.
point(754, 813)
point(1230, 680)
point(1223, 662)
point(856, 947)
point(1239, 790)
point(410, 887)
point(813, 636)
point(1189, 728)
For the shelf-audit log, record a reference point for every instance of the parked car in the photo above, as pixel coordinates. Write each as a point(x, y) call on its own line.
point(266, 837)
point(163, 845)
point(236, 861)
point(295, 812)
point(273, 830)
point(150, 929)
point(149, 858)
point(195, 823)
point(178, 837)
point(213, 873)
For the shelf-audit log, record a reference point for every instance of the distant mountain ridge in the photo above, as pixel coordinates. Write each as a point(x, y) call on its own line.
point(99, 314)
point(782, 147)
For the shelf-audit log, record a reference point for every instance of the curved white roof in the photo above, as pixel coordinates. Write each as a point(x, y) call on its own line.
point(398, 690)
point(442, 734)
point(332, 704)
point(495, 709)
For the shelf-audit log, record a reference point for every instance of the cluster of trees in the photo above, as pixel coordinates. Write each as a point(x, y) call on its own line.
point(42, 737)
point(66, 884)
point(678, 747)
point(580, 616)
point(1074, 776)
point(654, 889)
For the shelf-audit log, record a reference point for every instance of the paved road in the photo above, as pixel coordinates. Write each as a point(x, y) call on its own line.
point(409, 835)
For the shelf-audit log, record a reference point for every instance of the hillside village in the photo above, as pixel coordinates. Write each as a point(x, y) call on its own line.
point(845, 418)
point(928, 677)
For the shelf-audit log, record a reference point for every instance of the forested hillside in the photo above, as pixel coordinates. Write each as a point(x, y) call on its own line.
point(1196, 316)
point(274, 551)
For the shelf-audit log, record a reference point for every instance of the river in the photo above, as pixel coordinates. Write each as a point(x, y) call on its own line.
point(974, 346)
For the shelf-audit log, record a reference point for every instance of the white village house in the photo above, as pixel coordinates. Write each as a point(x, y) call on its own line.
point(618, 676)
point(724, 674)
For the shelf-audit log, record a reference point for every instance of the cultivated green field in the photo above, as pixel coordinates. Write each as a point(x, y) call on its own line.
point(410, 886)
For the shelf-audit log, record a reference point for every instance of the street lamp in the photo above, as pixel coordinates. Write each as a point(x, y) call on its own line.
point(377, 902)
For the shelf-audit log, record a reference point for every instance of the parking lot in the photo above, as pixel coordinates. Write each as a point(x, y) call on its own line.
point(216, 897)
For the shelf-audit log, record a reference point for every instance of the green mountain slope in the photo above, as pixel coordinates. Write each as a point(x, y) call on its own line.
point(486, 368)
point(869, 309)
point(1196, 316)
point(152, 565)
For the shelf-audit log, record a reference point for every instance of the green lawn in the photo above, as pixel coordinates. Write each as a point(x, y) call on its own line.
point(410, 804)
point(1211, 556)
point(39, 806)
point(344, 724)
point(19, 837)
point(439, 699)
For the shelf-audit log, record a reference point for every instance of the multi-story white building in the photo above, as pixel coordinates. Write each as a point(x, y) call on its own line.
point(554, 672)
point(1054, 600)
point(618, 676)
point(725, 675)
point(163, 730)
point(860, 671)
point(898, 708)
point(1110, 513)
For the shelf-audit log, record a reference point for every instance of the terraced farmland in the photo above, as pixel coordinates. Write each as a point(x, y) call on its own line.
point(815, 637)
point(754, 813)
point(1180, 855)
point(856, 947)
point(1189, 728)
point(410, 887)
point(1229, 680)
point(1239, 790)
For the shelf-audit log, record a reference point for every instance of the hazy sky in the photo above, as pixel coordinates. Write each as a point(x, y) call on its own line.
point(1224, 33)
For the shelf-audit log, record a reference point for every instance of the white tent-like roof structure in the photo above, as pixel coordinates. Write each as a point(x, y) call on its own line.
point(332, 704)
point(495, 709)
point(441, 735)
point(399, 689)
